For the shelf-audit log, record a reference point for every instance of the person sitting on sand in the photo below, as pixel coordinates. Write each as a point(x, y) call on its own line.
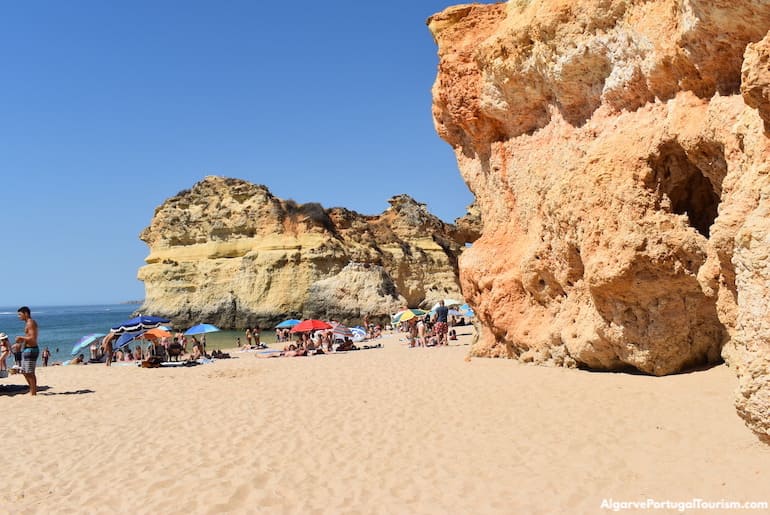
point(80, 360)
point(347, 345)
point(197, 353)
point(452, 334)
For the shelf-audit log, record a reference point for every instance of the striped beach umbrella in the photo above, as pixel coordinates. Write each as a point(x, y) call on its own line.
point(140, 323)
point(341, 332)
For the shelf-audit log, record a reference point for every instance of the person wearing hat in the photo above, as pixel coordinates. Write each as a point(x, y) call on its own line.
point(5, 351)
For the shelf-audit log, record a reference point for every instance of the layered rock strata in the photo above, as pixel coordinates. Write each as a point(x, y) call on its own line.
point(230, 253)
point(618, 154)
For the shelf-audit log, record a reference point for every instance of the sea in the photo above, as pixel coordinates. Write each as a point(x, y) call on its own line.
point(60, 327)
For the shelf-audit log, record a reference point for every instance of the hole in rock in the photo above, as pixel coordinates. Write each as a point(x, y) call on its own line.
point(692, 184)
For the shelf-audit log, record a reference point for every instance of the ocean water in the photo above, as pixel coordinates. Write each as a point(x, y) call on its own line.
point(60, 327)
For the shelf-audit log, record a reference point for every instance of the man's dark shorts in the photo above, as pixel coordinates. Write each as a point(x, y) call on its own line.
point(29, 360)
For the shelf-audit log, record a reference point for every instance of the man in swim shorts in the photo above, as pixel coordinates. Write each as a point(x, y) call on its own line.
point(30, 351)
point(441, 326)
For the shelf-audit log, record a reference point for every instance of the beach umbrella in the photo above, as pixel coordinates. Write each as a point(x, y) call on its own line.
point(157, 333)
point(85, 341)
point(310, 325)
point(126, 338)
point(340, 331)
point(201, 329)
point(142, 322)
point(288, 323)
point(408, 314)
point(359, 333)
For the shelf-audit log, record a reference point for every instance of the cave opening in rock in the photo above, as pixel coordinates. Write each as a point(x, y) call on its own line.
point(691, 184)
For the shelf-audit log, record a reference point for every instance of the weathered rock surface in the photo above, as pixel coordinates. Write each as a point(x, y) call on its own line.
point(618, 155)
point(230, 253)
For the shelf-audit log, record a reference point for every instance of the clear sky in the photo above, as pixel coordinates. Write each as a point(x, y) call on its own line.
point(109, 108)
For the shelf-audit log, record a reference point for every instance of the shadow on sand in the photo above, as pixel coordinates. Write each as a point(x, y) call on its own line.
point(22, 389)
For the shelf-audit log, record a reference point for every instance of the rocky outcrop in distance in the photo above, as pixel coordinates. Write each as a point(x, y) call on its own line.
point(230, 253)
point(618, 151)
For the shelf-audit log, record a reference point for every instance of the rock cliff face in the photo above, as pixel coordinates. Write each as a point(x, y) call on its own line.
point(230, 253)
point(618, 154)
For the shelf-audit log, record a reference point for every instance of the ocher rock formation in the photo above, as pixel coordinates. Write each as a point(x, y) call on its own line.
point(230, 253)
point(618, 154)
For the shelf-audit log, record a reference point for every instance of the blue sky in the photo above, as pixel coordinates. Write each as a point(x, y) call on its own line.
point(109, 108)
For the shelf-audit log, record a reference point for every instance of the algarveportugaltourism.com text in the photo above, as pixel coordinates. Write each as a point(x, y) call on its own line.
point(681, 506)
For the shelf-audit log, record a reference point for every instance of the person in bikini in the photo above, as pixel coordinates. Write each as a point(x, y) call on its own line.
point(30, 349)
point(5, 351)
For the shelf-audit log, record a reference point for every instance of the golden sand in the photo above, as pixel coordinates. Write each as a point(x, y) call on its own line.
point(390, 430)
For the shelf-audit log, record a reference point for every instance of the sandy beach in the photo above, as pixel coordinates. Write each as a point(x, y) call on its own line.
point(388, 430)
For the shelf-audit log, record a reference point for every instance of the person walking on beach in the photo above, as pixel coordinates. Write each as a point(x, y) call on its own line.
point(46, 354)
point(30, 351)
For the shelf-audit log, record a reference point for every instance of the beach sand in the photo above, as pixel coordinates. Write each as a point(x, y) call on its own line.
point(389, 430)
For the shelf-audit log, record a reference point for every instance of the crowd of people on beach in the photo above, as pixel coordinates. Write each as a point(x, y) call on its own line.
point(155, 352)
point(430, 330)
point(434, 329)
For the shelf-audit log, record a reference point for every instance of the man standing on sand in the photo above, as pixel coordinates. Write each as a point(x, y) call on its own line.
point(441, 327)
point(107, 348)
point(30, 352)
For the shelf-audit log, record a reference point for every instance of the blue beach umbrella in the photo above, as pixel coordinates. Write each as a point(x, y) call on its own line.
point(139, 323)
point(85, 341)
point(125, 338)
point(359, 333)
point(288, 323)
point(201, 329)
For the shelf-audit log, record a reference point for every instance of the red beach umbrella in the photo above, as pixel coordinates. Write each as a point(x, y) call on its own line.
point(310, 325)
